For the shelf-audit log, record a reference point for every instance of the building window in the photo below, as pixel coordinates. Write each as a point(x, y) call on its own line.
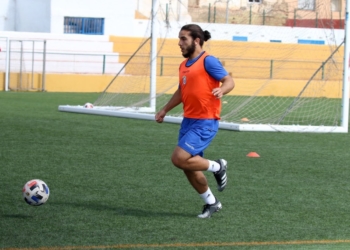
point(336, 5)
point(254, 1)
point(84, 25)
point(193, 3)
point(306, 4)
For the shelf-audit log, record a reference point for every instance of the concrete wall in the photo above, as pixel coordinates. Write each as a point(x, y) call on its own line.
point(69, 53)
point(48, 16)
point(33, 15)
point(117, 13)
point(43, 19)
point(248, 33)
point(7, 15)
point(246, 87)
point(321, 7)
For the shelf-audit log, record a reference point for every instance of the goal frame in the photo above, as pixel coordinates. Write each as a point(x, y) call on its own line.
point(22, 61)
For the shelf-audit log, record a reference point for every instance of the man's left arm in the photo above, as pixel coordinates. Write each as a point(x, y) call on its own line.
point(227, 84)
point(218, 72)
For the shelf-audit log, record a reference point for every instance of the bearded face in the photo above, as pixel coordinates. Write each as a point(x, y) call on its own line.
point(188, 51)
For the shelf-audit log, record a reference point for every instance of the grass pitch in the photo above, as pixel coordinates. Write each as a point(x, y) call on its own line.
point(113, 185)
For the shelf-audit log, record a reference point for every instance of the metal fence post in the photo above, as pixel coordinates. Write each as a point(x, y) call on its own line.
point(104, 65)
point(167, 13)
point(33, 49)
point(227, 10)
point(264, 17)
point(250, 14)
point(43, 76)
point(7, 61)
point(323, 63)
point(9, 64)
point(271, 69)
point(209, 14)
point(214, 14)
point(20, 65)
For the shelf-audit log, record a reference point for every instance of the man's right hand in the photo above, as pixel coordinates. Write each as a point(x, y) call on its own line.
point(160, 116)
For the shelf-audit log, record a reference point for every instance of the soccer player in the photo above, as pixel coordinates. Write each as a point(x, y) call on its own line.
point(202, 82)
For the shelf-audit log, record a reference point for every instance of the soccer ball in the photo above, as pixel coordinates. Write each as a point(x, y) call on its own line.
point(35, 192)
point(88, 105)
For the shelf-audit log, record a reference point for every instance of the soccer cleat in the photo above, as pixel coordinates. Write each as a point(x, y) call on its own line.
point(209, 209)
point(220, 176)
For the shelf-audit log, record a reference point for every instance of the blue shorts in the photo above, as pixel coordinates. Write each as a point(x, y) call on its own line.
point(195, 135)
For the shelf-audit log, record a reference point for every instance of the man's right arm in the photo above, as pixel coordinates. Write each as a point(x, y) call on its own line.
point(173, 102)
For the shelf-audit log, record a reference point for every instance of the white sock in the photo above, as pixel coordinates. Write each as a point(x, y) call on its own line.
point(208, 197)
point(213, 166)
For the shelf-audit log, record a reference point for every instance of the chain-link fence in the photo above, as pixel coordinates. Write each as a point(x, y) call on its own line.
point(280, 13)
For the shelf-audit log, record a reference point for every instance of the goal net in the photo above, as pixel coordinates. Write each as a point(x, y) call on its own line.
point(287, 63)
point(25, 70)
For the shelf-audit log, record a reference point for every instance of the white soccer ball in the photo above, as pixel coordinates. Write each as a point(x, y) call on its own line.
point(88, 105)
point(36, 192)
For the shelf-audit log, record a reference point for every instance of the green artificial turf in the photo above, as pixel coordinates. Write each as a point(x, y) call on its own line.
point(113, 185)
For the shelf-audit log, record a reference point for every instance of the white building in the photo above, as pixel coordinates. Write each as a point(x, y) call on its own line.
point(131, 18)
point(48, 16)
point(108, 17)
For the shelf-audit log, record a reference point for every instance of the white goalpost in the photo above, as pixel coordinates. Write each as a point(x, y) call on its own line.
point(287, 79)
point(24, 65)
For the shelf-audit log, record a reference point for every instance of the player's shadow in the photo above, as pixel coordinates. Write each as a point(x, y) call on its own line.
point(123, 211)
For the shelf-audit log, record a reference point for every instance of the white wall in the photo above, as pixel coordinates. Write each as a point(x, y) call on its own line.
point(7, 15)
point(253, 33)
point(48, 15)
point(33, 15)
point(117, 13)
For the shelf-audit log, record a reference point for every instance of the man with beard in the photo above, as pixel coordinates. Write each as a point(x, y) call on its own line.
point(199, 91)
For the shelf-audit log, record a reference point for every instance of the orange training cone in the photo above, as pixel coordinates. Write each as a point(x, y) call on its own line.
point(253, 154)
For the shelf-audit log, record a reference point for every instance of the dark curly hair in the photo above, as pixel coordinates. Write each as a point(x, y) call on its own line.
point(197, 32)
